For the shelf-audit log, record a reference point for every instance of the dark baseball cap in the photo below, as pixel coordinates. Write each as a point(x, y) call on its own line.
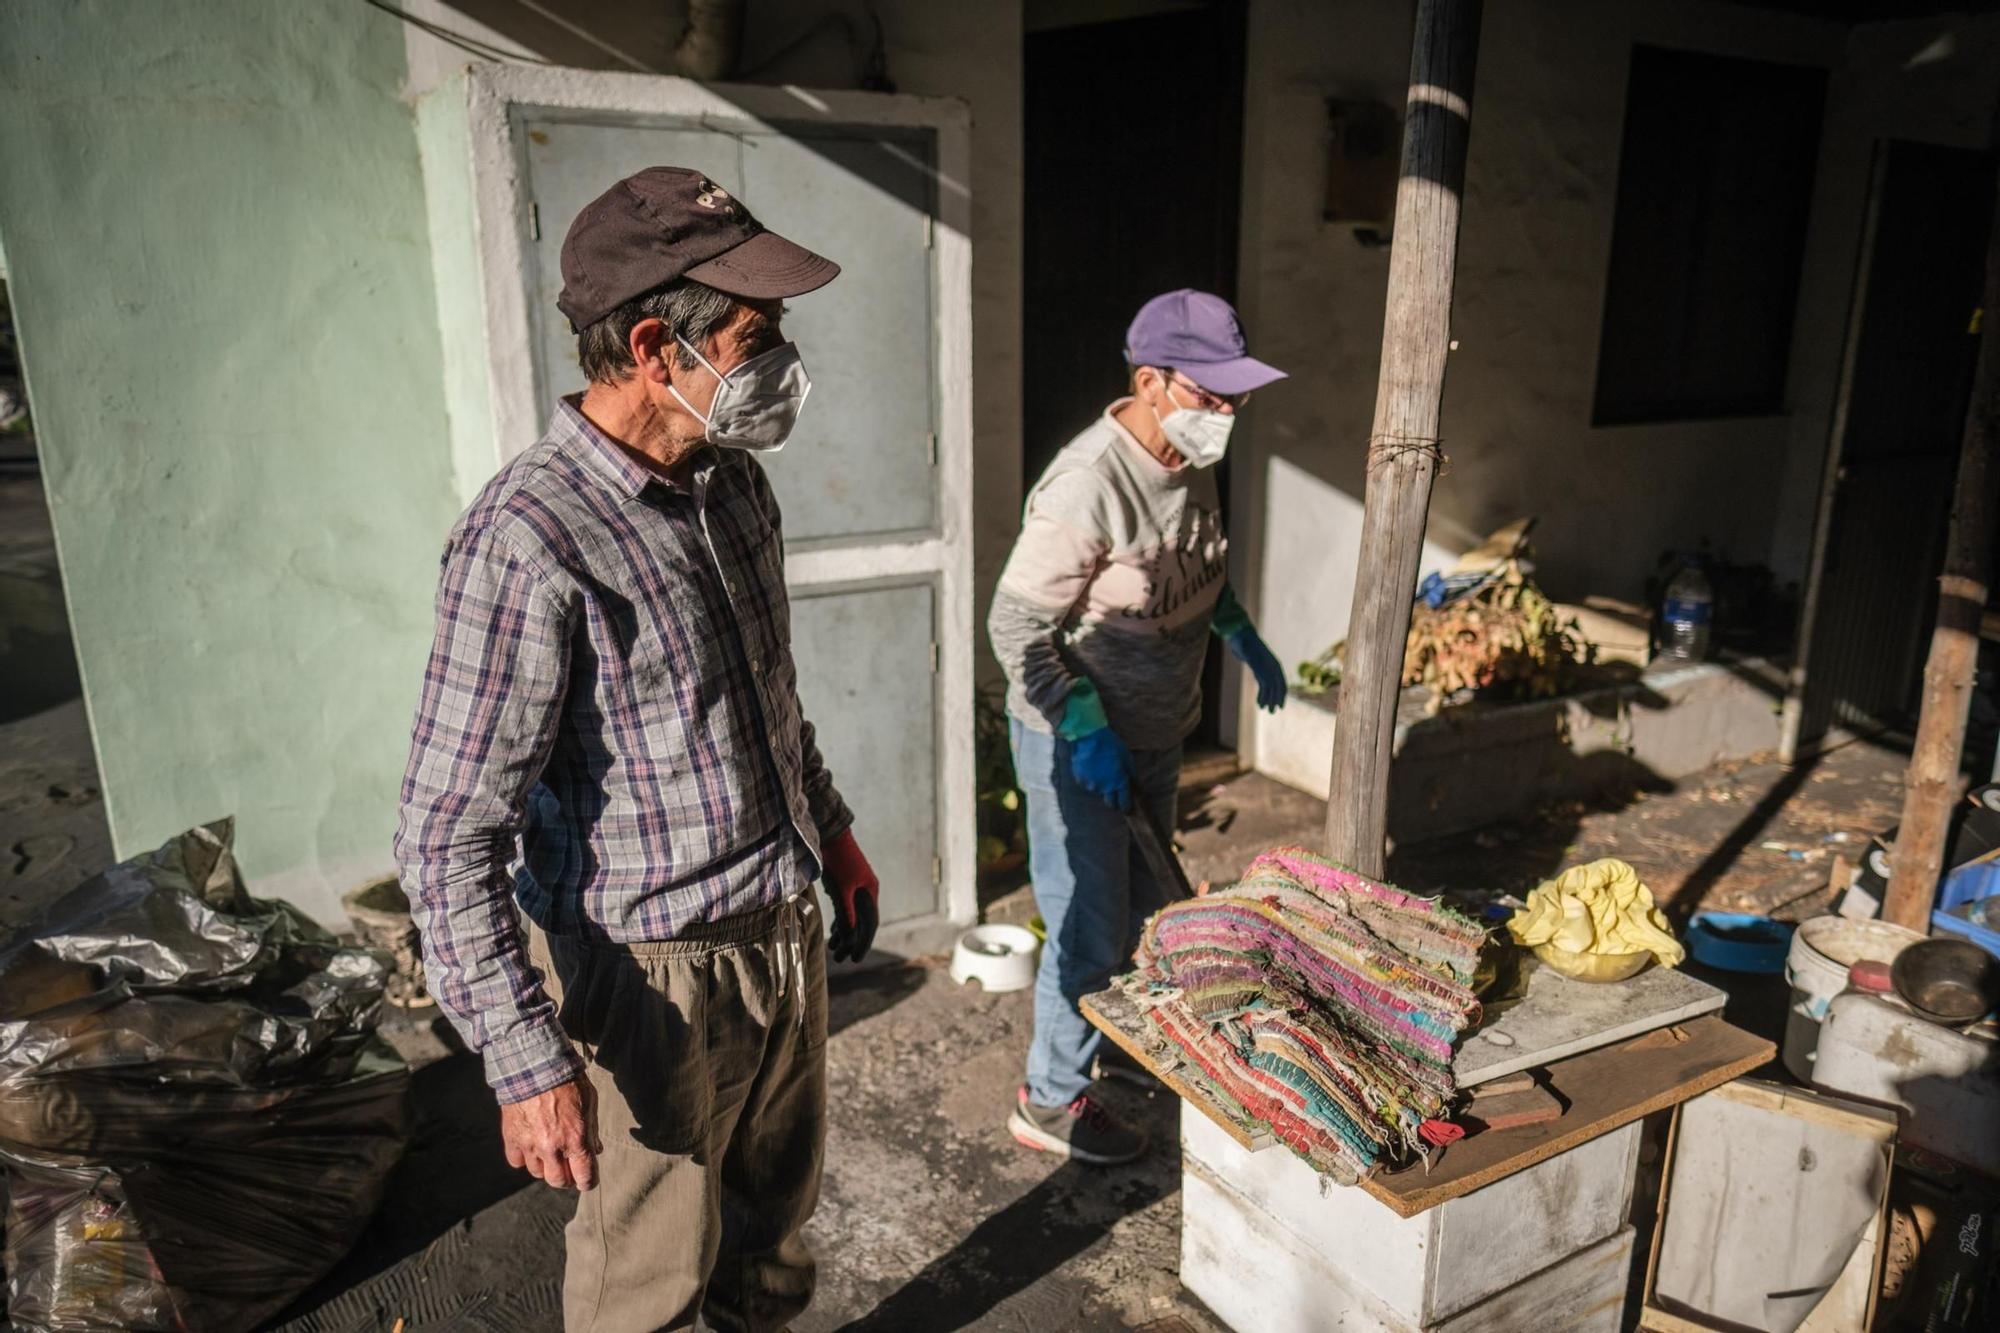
point(671, 222)
point(1198, 334)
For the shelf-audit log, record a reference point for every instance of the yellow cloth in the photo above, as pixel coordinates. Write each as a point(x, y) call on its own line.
point(1600, 908)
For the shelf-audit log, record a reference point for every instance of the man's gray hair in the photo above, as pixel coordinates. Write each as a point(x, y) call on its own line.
point(690, 310)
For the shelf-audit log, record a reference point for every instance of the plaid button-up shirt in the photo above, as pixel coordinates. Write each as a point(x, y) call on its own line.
point(609, 731)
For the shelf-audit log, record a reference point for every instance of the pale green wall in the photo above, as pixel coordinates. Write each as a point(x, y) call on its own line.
point(214, 219)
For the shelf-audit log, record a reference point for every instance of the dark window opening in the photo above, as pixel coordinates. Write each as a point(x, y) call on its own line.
point(1714, 186)
point(1110, 219)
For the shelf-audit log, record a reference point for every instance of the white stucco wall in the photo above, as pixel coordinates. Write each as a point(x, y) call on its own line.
point(1534, 249)
point(214, 213)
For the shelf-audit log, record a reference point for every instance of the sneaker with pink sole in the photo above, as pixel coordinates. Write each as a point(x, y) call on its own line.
point(1083, 1131)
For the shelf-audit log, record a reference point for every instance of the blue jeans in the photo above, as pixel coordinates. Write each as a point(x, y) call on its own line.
point(1094, 891)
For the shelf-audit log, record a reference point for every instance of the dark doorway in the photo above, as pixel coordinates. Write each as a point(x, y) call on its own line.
point(1133, 175)
point(1906, 401)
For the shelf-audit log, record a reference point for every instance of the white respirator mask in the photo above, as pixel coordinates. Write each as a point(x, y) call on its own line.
point(1197, 434)
point(757, 404)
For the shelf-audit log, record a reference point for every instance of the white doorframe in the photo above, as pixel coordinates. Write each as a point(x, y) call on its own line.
point(481, 233)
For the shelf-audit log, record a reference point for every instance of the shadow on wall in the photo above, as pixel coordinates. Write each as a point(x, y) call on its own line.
point(1482, 764)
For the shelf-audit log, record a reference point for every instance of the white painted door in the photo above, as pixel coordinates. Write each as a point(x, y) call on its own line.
point(875, 482)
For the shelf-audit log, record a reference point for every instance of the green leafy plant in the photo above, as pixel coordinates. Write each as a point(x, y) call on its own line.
point(1322, 673)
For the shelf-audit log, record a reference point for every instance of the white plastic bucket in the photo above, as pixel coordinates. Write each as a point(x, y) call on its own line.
point(1822, 951)
point(1947, 1082)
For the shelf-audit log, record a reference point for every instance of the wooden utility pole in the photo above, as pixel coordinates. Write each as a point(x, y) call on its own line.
point(1403, 444)
point(1917, 861)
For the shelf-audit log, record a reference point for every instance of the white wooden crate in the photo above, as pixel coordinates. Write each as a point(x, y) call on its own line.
point(1351, 1262)
point(1257, 1276)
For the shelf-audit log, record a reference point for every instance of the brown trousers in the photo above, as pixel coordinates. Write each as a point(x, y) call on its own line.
point(707, 1055)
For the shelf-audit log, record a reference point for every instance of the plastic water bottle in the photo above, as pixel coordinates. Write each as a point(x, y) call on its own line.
point(1685, 617)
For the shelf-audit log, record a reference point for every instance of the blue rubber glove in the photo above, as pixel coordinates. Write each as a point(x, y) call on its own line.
point(1098, 759)
point(1251, 651)
point(1232, 623)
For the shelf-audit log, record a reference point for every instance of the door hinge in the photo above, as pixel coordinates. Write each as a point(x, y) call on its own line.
point(534, 221)
point(937, 871)
point(930, 231)
point(936, 658)
point(930, 446)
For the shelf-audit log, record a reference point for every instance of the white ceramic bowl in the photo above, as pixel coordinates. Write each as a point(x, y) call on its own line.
point(999, 958)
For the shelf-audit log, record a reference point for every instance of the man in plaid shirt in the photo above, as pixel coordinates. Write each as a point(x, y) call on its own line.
point(610, 737)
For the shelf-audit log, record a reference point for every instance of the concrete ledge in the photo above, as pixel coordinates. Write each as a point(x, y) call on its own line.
point(1479, 764)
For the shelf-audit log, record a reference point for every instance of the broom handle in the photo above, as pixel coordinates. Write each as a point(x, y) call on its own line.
point(1158, 849)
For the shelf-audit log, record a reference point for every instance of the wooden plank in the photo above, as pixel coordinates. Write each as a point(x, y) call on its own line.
point(1509, 1110)
point(1403, 443)
point(1931, 787)
point(1659, 1208)
point(1113, 1013)
point(1605, 1089)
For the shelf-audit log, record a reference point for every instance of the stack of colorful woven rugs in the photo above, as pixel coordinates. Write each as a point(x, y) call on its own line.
point(1316, 1003)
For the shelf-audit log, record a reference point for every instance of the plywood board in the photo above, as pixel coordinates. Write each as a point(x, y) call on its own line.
point(1606, 1089)
point(1558, 1018)
point(1771, 1212)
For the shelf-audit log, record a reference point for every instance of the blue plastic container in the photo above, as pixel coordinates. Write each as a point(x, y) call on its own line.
point(1955, 921)
point(1739, 942)
point(1969, 883)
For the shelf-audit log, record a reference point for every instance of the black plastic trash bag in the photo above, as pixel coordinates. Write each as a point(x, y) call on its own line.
point(197, 1118)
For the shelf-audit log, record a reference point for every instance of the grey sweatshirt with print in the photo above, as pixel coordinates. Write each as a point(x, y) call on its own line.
point(1114, 578)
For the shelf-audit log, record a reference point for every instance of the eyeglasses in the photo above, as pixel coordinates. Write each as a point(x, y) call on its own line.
point(1203, 398)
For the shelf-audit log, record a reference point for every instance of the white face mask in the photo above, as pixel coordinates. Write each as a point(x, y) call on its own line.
point(1198, 435)
point(757, 404)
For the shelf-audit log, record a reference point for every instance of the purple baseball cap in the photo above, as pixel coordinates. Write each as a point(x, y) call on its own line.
point(1198, 334)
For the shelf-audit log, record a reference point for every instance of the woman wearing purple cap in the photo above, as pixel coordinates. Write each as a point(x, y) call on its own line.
point(1101, 622)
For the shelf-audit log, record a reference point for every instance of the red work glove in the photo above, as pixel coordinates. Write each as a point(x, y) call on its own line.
point(855, 891)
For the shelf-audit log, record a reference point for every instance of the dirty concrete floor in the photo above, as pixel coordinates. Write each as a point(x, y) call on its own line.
point(1747, 836)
